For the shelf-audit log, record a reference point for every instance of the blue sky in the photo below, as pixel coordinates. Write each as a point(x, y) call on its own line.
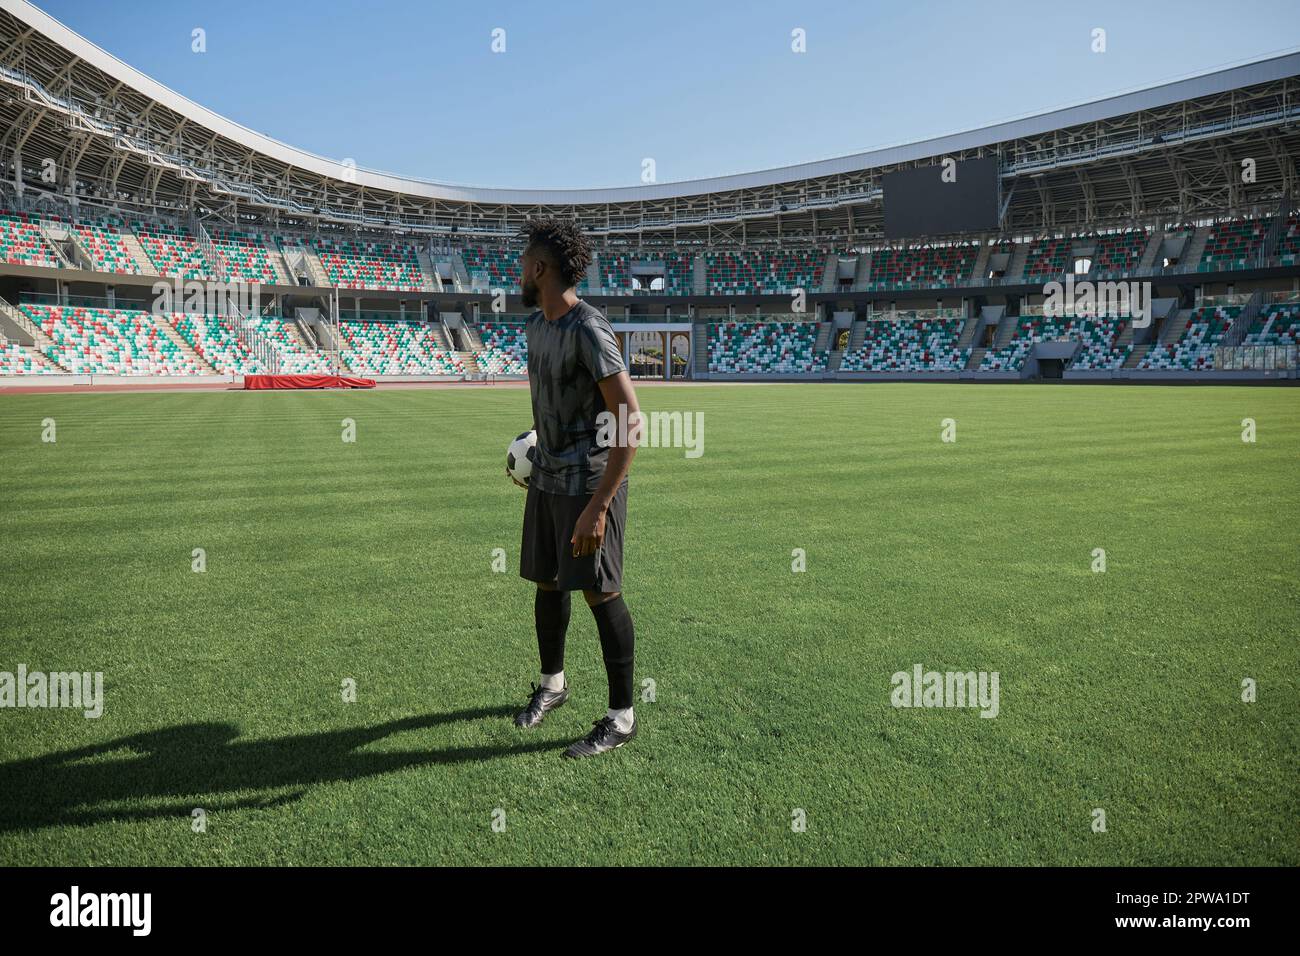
point(586, 90)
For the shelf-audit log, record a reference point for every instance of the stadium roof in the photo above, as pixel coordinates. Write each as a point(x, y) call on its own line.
point(59, 70)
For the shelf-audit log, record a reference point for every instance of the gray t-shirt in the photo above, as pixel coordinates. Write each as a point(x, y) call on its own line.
point(566, 358)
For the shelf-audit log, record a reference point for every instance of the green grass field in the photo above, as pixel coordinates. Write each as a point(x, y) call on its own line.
point(373, 561)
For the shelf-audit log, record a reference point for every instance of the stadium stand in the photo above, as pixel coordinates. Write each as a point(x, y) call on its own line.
point(18, 359)
point(908, 342)
point(492, 268)
point(1101, 344)
point(1194, 349)
point(765, 348)
point(615, 270)
point(1278, 323)
point(1233, 244)
point(109, 341)
point(1048, 258)
point(505, 348)
point(245, 255)
point(175, 252)
point(1098, 336)
point(293, 356)
point(386, 344)
point(764, 273)
point(925, 267)
point(363, 264)
point(1118, 252)
point(1288, 248)
point(103, 243)
point(617, 274)
point(214, 338)
point(21, 241)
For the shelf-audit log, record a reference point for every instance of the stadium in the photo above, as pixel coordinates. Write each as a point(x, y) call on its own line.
point(933, 442)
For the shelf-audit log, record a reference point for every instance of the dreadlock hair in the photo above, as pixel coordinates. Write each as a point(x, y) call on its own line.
point(565, 246)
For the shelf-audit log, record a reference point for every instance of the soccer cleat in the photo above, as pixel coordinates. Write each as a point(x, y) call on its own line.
point(604, 736)
point(540, 704)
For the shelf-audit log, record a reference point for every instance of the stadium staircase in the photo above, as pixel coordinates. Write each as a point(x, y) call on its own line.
point(857, 335)
point(65, 240)
point(1168, 334)
point(1136, 356)
point(52, 233)
point(700, 276)
point(1016, 264)
point(981, 267)
point(132, 245)
point(1174, 326)
point(1154, 243)
point(1007, 326)
point(1245, 319)
point(183, 344)
point(299, 257)
point(301, 329)
point(283, 275)
point(459, 274)
point(823, 344)
point(701, 335)
point(17, 327)
point(1195, 248)
point(1268, 249)
point(427, 271)
point(831, 272)
point(212, 258)
point(593, 275)
point(863, 274)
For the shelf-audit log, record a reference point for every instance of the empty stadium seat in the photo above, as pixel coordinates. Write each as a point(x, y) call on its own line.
point(175, 253)
point(386, 344)
point(22, 243)
point(1194, 348)
point(216, 341)
point(764, 273)
point(906, 342)
point(363, 264)
point(1233, 244)
point(110, 341)
point(765, 348)
point(1119, 252)
point(102, 240)
point(926, 267)
point(505, 348)
point(492, 267)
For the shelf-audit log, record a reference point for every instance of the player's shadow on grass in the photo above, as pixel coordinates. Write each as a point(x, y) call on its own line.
point(208, 765)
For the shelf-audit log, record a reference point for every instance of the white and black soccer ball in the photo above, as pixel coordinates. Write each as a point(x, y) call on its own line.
point(519, 457)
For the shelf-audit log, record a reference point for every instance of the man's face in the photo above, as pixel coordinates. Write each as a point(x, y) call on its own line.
point(528, 273)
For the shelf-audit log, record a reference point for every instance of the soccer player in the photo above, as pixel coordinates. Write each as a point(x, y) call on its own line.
point(576, 509)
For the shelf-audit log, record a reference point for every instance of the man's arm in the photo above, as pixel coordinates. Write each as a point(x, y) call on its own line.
point(620, 399)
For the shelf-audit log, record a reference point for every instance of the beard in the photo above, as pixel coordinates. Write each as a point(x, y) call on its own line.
point(529, 294)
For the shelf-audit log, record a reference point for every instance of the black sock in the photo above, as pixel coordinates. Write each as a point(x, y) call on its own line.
point(617, 644)
point(551, 612)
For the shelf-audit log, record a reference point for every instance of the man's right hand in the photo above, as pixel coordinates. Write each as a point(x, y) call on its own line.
point(515, 480)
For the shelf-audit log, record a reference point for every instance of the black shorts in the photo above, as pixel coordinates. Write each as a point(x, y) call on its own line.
point(547, 552)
